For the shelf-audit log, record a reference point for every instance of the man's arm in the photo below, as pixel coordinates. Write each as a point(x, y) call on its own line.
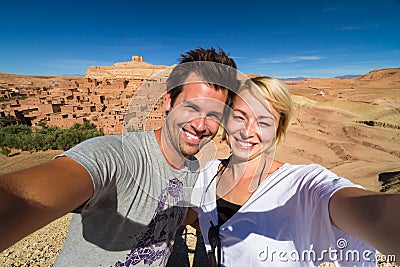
point(34, 197)
point(369, 216)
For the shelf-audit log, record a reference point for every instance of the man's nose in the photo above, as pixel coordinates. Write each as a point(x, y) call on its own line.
point(199, 124)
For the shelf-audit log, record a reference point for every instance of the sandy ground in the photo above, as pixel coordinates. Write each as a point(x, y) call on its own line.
point(327, 128)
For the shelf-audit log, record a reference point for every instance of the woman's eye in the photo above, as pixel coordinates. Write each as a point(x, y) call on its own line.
point(265, 124)
point(236, 117)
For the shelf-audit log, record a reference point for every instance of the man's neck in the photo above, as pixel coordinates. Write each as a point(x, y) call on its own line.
point(173, 158)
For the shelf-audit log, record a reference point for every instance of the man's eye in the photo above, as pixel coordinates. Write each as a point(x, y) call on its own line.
point(191, 108)
point(215, 117)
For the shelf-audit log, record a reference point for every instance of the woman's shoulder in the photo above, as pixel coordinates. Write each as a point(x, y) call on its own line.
point(310, 166)
point(213, 162)
point(210, 169)
point(211, 165)
point(307, 170)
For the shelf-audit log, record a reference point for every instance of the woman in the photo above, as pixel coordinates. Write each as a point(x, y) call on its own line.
point(256, 211)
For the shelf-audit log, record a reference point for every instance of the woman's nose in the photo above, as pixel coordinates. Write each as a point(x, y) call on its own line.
point(250, 128)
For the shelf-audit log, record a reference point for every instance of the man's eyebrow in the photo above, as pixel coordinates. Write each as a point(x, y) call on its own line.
point(190, 103)
point(198, 108)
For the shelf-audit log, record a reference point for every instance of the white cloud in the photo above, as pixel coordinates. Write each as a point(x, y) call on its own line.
point(294, 59)
point(288, 59)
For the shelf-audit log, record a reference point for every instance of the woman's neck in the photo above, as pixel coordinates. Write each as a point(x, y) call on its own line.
point(241, 179)
point(251, 169)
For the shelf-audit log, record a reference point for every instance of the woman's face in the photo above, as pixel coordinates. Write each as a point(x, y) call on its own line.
point(251, 126)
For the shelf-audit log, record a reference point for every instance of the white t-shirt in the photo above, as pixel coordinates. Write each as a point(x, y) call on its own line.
point(284, 223)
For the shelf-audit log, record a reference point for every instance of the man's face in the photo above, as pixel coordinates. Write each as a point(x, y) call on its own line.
point(195, 116)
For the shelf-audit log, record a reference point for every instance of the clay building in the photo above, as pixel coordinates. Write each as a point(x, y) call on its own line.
point(111, 97)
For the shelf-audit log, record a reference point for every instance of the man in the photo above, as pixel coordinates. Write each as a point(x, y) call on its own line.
point(131, 189)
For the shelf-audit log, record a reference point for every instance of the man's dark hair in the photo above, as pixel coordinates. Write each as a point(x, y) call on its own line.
point(214, 67)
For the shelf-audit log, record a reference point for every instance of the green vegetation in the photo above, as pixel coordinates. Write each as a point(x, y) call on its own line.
point(5, 99)
point(5, 151)
point(8, 120)
point(44, 137)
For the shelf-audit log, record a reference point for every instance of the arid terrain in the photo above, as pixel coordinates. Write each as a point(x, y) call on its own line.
point(350, 126)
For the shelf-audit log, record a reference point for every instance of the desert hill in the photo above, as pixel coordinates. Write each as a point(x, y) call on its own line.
point(351, 125)
point(392, 74)
point(28, 80)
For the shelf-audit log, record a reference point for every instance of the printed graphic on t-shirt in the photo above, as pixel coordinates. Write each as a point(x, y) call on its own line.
point(150, 247)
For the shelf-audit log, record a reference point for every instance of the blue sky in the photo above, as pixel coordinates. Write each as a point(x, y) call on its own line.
point(321, 38)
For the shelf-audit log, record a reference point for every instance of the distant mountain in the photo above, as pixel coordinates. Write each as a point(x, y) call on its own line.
point(73, 75)
point(392, 74)
point(347, 76)
point(389, 74)
point(294, 79)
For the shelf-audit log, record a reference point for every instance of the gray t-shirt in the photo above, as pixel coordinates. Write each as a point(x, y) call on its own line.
point(139, 201)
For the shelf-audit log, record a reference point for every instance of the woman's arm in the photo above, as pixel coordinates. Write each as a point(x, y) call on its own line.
point(370, 216)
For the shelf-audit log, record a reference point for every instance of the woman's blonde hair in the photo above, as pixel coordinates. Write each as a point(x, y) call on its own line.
point(271, 91)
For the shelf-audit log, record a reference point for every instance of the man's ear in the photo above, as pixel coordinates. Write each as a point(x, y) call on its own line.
point(167, 102)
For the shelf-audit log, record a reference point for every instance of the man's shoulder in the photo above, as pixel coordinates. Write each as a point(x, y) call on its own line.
point(138, 141)
point(114, 143)
point(140, 136)
point(129, 138)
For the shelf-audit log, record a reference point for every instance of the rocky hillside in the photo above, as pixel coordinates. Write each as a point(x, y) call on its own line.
point(392, 74)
